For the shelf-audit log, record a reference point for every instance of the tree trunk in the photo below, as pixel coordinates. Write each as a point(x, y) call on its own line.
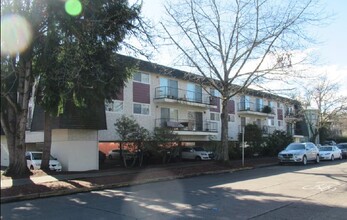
point(14, 120)
point(140, 156)
point(224, 137)
point(122, 159)
point(47, 143)
point(16, 146)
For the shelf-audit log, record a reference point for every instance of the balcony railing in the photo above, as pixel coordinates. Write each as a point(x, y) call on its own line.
point(252, 107)
point(183, 95)
point(291, 115)
point(266, 129)
point(187, 125)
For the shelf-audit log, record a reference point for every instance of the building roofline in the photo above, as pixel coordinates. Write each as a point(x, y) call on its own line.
point(151, 67)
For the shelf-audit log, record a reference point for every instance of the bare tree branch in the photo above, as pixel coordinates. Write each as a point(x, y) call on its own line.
point(238, 42)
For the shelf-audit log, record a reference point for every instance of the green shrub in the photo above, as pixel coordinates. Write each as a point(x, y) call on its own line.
point(341, 139)
point(267, 109)
point(276, 142)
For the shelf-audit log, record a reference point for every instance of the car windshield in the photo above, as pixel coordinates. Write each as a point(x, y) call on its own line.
point(342, 146)
point(198, 149)
point(38, 156)
point(325, 148)
point(296, 147)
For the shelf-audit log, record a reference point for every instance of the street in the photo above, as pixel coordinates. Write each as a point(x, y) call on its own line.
point(274, 192)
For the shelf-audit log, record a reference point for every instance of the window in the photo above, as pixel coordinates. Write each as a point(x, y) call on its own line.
point(214, 92)
point(231, 118)
point(214, 116)
point(114, 106)
point(290, 110)
point(194, 92)
point(271, 121)
point(141, 77)
point(245, 103)
point(243, 122)
point(259, 104)
point(169, 88)
point(141, 109)
point(169, 114)
point(280, 123)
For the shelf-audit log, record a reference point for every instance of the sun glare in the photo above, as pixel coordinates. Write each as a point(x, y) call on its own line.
point(16, 34)
point(73, 7)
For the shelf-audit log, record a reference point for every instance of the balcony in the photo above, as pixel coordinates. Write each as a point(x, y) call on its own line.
point(291, 117)
point(252, 109)
point(266, 129)
point(185, 97)
point(188, 126)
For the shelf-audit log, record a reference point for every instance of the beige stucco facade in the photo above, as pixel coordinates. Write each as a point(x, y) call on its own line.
point(76, 149)
point(4, 152)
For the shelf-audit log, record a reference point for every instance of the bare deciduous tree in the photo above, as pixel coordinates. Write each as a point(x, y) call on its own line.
point(240, 42)
point(323, 96)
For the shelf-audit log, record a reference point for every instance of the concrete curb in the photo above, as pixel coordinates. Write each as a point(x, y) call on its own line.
point(118, 185)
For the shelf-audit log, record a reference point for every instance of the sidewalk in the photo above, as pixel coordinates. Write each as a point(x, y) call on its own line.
point(69, 183)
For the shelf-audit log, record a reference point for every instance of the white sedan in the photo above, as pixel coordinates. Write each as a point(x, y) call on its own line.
point(330, 153)
point(34, 159)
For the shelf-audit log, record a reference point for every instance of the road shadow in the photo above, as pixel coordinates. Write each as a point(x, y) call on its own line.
point(222, 198)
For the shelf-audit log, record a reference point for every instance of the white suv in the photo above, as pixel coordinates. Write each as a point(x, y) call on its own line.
point(34, 159)
point(300, 153)
point(196, 153)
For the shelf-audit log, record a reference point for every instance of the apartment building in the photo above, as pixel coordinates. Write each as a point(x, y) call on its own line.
point(159, 96)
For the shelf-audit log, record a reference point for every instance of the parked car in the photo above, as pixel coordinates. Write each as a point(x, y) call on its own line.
point(115, 154)
point(299, 153)
point(329, 153)
point(102, 157)
point(343, 148)
point(329, 142)
point(34, 159)
point(196, 153)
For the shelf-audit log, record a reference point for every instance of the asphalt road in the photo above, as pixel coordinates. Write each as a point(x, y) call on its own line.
point(276, 192)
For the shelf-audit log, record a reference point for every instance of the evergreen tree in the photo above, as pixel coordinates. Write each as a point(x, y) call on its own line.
point(72, 56)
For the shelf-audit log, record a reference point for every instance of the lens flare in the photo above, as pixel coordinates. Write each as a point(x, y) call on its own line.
point(73, 7)
point(16, 34)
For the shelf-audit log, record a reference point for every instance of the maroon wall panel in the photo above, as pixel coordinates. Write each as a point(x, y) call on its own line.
point(280, 114)
point(141, 92)
point(231, 107)
point(215, 101)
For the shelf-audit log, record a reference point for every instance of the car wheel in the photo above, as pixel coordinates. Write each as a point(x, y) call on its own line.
point(332, 157)
point(304, 160)
point(197, 158)
point(280, 163)
point(317, 159)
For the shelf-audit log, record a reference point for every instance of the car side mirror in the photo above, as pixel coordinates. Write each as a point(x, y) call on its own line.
point(27, 157)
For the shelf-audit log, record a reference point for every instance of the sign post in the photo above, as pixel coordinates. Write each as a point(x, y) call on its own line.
point(243, 146)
